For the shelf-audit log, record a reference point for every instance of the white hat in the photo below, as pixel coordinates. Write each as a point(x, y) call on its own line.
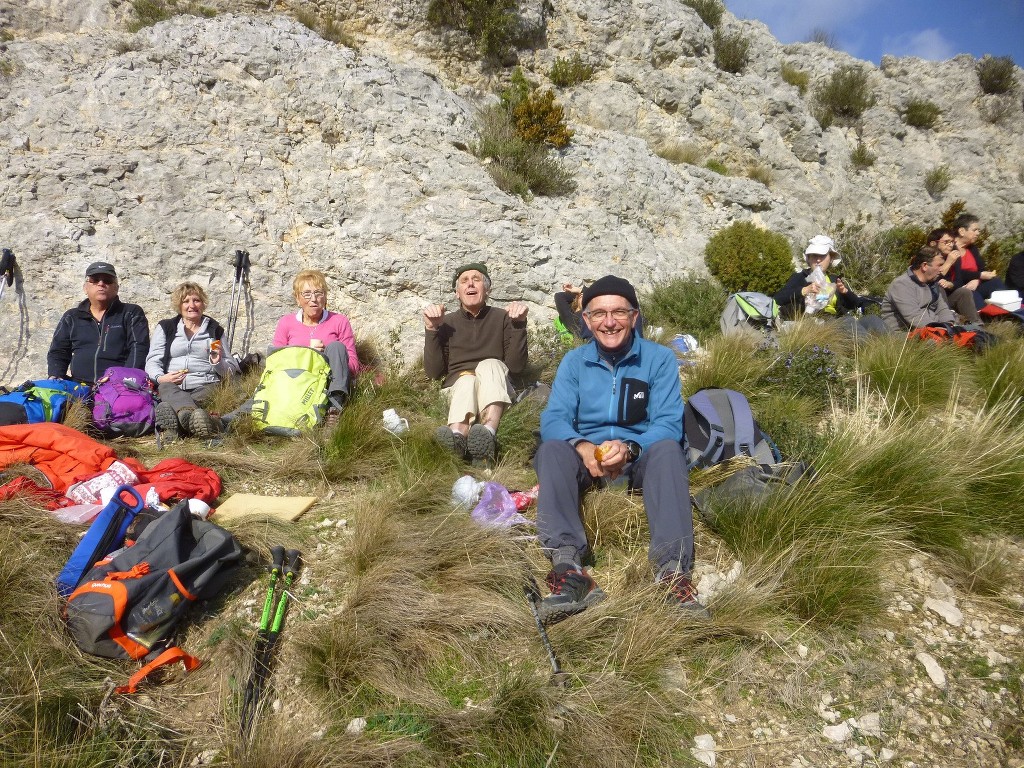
point(823, 245)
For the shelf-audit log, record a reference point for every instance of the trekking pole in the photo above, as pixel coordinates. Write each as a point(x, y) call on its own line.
point(7, 263)
point(262, 638)
point(558, 677)
point(241, 269)
point(264, 657)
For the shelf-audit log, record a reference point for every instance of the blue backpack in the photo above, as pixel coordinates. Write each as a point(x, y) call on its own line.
point(41, 400)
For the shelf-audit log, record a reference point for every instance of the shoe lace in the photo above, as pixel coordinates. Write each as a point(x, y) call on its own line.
point(680, 587)
point(555, 581)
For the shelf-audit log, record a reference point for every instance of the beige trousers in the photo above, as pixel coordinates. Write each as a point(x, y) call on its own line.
point(472, 392)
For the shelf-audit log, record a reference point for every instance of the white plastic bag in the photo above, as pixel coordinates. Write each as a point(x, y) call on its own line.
point(818, 300)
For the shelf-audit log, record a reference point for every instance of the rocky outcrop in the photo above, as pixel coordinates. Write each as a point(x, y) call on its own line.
point(165, 150)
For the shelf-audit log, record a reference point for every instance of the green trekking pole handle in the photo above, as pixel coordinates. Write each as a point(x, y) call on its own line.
point(291, 570)
point(277, 553)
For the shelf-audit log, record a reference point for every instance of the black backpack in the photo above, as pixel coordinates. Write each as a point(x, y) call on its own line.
point(130, 603)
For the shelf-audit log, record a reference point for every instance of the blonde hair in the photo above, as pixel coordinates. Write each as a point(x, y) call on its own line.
point(313, 277)
point(183, 291)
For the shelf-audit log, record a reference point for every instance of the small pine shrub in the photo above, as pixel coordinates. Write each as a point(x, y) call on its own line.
point(873, 258)
point(566, 73)
point(687, 304)
point(861, 157)
point(518, 166)
point(921, 113)
point(717, 166)
point(493, 25)
point(796, 77)
point(996, 74)
point(952, 212)
point(745, 257)
point(937, 180)
point(732, 51)
point(680, 152)
point(710, 11)
point(540, 120)
point(843, 97)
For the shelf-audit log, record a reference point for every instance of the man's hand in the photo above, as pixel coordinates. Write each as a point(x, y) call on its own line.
point(613, 453)
point(516, 311)
point(946, 285)
point(433, 317)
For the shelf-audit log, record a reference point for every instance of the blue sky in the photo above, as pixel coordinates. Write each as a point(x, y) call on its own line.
point(867, 29)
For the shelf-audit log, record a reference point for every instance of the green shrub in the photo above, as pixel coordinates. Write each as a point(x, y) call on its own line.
point(921, 113)
point(843, 97)
point(796, 77)
point(936, 181)
point(536, 116)
point(861, 157)
point(873, 258)
point(717, 166)
point(518, 166)
point(327, 27)
point(678, 152)
point(493, 25)
point(687, 304)
point(814, 372)
point(710, 11)
point(146, 13)
point(997, 74)
point(568, 72)
point(745, 257)
point(732, 51)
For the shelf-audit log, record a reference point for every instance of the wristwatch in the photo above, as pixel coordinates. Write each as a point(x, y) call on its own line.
point(633, 449)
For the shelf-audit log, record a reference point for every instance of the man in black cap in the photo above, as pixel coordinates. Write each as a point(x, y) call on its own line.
point(473, 350)
point(98, 333)
point(615, 409)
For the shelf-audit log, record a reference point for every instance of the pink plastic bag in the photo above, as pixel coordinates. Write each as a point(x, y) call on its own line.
point(497, 508)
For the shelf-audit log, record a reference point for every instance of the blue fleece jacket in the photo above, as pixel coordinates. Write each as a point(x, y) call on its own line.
point(638, 400)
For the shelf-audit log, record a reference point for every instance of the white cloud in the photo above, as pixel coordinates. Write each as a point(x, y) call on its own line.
point(927, 44)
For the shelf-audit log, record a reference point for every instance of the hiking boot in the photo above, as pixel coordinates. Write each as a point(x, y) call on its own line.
point(167, 420)
point(573, 590)
point(682, 593)
point(453, 441)
point(482, 446)
point(331, 418)
point(200, 424)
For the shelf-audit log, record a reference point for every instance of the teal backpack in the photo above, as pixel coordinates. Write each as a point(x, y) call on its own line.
point(292, 393)
point(41, 400)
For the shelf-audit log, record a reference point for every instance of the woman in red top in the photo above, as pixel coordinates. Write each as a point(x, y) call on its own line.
point(969, 270)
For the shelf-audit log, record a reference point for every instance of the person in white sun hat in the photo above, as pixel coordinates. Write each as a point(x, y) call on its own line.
point(813, 290)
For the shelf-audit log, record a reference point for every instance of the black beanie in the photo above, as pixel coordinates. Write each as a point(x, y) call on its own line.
point(610, 285)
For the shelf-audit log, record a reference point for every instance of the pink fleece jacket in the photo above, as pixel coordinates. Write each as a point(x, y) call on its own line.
point(332, 327)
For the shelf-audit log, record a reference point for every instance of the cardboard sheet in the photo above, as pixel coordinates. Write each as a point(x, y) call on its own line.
point(246, 504)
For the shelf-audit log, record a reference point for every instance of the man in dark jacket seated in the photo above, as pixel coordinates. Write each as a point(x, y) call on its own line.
point(99, 333)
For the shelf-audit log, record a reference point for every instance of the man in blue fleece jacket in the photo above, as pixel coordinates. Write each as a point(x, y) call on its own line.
point(615, 409)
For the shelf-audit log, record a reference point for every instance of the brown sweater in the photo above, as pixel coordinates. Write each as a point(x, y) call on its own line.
point(462, 341)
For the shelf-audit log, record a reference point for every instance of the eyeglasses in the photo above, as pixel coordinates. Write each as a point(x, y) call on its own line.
point(307, 295)
point(946, 241)
point(599, 315)
point(105, 279)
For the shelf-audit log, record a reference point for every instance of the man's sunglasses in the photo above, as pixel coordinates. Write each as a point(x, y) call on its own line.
point(105, 279)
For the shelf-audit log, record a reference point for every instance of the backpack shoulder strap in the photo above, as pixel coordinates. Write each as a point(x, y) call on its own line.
point(169, 656)
point(743, 422)
point(214, 328)
point(700, 403)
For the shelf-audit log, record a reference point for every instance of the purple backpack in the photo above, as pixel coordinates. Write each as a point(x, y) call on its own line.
point(124, 405)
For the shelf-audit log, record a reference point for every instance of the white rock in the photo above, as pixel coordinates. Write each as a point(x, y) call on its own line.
point(356, 726)
point(886, 754)
point(942, 591)
point(277, 706)
point(931, 666)
point(837, 733)
point(870, 724)
point(1007, 629)
point(343, 523)
point(801, 651)
point(855, 755)
point(946, 610)
point(995, 657)
point(729, 718)
point(890, 635)
point(703, 750)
